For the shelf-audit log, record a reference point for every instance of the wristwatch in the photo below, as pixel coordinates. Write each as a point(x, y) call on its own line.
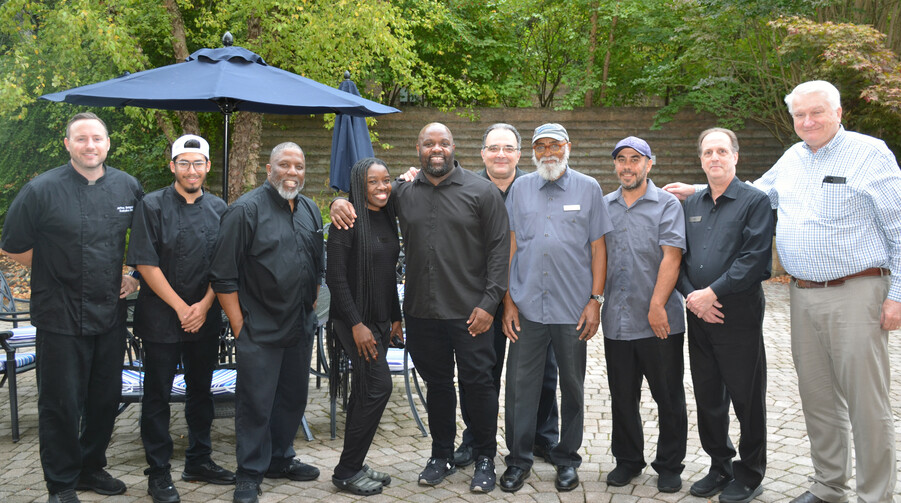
point(599, 298)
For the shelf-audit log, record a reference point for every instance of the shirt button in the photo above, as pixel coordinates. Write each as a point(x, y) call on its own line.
point(545, 234)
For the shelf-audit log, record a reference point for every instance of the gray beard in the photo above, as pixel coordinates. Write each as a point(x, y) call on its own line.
point(551, 171)
point(288, 194)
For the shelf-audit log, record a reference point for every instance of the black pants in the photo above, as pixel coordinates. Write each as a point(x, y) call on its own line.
point(370, 391)
point(728, 362)
point(270, 398)
point(547, 433)
point(660, 361)
point(434, 344)
point(79, 388)
point(160, 362)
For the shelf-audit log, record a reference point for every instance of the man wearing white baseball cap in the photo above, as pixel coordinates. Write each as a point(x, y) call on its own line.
point(177, 316)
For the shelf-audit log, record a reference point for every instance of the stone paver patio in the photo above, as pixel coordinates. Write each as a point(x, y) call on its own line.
point(400, 449)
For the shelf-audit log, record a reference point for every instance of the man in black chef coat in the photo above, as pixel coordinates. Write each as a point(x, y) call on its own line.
point(177, 316)
point(68, 224)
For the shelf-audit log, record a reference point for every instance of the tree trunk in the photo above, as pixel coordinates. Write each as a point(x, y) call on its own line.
point(607, 59)
point(248, 127)
point(189, 122)
point(592, 46)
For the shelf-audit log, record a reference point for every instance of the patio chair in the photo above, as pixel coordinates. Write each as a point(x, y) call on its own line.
point(16, 312)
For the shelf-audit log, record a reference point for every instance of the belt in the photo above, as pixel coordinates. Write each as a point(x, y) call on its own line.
point(873, 271)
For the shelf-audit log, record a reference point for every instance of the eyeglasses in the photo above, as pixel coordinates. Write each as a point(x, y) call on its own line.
point(186, 165)
point(552, 148)
point(508, 149)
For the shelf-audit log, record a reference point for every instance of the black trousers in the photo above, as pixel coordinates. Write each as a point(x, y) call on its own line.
point(79, 388)
point(433, 345)
point(370, 391)
point(547, 433)
point(659, 361)
point(160, 363)
point(270, 398)
point(728, 362)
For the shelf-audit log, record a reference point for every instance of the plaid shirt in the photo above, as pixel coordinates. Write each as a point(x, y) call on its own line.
point(839, 209)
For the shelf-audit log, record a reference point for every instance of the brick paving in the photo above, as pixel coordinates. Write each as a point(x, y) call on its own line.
point(400, 450)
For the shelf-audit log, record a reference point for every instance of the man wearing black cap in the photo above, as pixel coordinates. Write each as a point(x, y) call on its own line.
point(557, 224)
point(642, 318)
point(177, 316)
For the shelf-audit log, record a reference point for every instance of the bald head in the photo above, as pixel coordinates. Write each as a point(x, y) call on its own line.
point(435, 127)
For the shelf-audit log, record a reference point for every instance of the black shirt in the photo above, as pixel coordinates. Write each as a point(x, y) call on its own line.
point(77, 230)
point(341, 273)
point(272, 257)
point(517, 174)
point(178, 238)
point(730, 243)
point(456, 243)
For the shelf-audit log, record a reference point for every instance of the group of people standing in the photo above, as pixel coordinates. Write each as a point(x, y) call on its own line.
point(542, 260)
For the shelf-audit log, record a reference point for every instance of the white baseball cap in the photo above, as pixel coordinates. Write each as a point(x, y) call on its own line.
point(179, 147)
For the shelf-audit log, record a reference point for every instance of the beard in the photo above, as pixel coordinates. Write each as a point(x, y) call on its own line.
point(437, 171)
point(286, 193)
point(551, 168)
point(639, 180)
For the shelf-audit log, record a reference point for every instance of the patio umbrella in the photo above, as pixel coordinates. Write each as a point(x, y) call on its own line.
point(228, 79)
point(350, 142)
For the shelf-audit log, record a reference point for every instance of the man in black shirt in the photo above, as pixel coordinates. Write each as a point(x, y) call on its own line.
point(69, 225)
point(729, 234)
point(177, 316)
point(266, 271)
point(457, 244)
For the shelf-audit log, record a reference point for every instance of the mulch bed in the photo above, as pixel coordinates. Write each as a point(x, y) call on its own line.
point(18, 276)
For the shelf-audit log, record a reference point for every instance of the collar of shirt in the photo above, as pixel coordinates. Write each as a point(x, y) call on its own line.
point(650, 194)
point(77, 177)
point(730, 191)
point(561, 182)
point(279, 200)
point(834, 143)
point(180, 198)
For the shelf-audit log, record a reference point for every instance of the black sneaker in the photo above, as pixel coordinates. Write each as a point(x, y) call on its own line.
point(295, 470)
point(247, 491)
point(483, 477)
point(208, 472)
point(463, 456)
point(100, 482)
point(435, 471)
point(65, 496)
point(162, 490)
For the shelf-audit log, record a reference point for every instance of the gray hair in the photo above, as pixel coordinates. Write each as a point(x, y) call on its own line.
point(728, 132)
point(281, 147)
point(502, 125)
point(833, 97)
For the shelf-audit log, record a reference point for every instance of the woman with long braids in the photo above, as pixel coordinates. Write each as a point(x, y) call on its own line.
point(365, 313)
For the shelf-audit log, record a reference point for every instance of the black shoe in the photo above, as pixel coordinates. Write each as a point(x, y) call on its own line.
point(736, 492)
point(359, 484)
point(247, 491)
point(543, 452)
point(64, 496)
point(567, 478)
point(669, 482)
point(100, 482)
point(463, 456)
point(807, 497)
point(208, 472)
point(295, 470)
point(435, 471)
point(162, 490)
point(513, 479)
point(711, 484)
point(621, 475)
point(483, 476)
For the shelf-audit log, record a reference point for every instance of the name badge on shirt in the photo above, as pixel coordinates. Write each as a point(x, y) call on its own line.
point(571, 207)
point(694, 220)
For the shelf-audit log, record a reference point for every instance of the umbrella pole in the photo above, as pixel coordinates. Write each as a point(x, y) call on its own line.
point(225, 155)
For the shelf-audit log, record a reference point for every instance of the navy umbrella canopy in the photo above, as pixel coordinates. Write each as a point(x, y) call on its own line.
point(226, 80)
point(350, 142)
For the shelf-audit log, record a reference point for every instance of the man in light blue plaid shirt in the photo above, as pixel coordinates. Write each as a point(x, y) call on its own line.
point(838, 195)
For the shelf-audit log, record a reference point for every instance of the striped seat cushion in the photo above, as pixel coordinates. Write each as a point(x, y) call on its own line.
point(132, 381)
point(396, 360)
point(224, 381)
point(22, 359)
point(22, 336)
